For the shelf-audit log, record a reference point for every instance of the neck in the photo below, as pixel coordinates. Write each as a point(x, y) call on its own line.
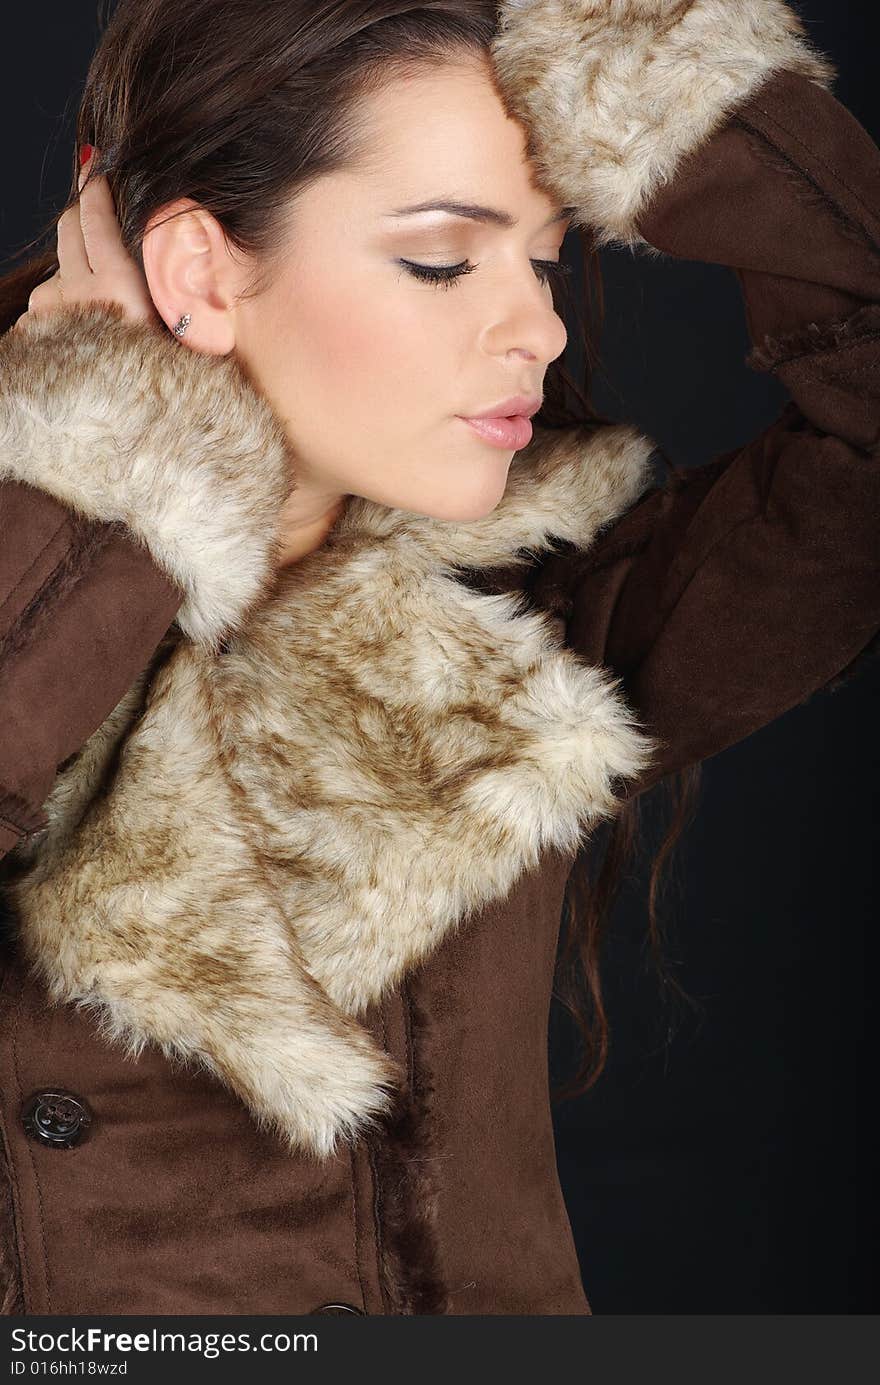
point(306, 519)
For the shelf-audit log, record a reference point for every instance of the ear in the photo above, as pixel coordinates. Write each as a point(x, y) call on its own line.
point(190, 269)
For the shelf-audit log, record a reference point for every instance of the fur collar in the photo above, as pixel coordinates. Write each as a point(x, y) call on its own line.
point(256, 846)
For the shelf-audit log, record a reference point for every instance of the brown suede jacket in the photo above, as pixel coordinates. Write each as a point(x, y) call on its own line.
point(722, 598)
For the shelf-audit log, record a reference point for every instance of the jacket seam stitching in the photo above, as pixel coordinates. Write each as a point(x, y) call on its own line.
point(10, 1171)
point(793, 135)
point(408, 1029)
point(357, 1241)
point(16, 827)
point(12, 1174)
point(53, 591)
point(40, 1213)
point(823, 192)
point(36, 558)
point(384, 1290)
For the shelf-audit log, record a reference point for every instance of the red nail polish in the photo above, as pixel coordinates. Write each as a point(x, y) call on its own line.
point(85, 154)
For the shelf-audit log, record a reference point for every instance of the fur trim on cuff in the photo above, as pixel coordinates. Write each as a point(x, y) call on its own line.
point(815, 339)
point(119, 423)
point(615, 93)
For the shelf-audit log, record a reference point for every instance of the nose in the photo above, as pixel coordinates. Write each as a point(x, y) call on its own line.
point(526, 324)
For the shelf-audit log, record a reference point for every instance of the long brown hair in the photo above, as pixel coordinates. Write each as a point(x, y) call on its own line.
point(239, 105)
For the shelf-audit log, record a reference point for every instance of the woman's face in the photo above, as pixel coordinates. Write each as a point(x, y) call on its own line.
point(368, 367)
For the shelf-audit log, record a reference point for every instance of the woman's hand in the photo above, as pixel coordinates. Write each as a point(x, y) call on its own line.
point(94, 265)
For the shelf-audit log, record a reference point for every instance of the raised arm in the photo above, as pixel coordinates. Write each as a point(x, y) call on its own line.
point(736, 589)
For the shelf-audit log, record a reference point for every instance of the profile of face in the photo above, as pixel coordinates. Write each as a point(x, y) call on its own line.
point(370, 365)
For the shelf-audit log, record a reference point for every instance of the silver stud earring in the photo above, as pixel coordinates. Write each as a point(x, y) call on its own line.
point(182, 325)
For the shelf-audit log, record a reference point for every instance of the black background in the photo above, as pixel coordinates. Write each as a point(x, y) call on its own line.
point(732, 1169)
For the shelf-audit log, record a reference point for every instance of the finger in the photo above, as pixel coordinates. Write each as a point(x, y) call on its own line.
point(73, 259)
point(45, 296)
point(100, 228)
point(44, 291)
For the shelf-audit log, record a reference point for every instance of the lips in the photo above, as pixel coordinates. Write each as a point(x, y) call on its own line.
point(511, 433)
point(512, 407)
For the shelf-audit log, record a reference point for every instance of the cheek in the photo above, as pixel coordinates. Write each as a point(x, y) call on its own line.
point(370, 341)
point(334, 323)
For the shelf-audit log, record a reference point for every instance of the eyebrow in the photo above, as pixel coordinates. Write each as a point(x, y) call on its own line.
point(474, 212)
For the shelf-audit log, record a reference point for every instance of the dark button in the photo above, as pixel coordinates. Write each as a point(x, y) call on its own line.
point(56, 1118)
point(340, 1308)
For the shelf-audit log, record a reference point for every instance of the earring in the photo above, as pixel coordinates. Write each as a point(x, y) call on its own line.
point(182, 325)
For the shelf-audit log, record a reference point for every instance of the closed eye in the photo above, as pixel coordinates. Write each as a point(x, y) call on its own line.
point(446, 276)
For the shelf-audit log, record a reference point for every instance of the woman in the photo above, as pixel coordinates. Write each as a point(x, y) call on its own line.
point(346, 676)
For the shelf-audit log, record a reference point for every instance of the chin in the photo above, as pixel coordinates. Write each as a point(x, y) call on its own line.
point(456, 490)
point(460, 511)
point(474, 512)
point(462, 502)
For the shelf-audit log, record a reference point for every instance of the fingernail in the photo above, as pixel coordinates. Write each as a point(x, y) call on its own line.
point(85, 155)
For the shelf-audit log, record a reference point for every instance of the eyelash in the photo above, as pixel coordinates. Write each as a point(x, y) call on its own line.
point(446, 276)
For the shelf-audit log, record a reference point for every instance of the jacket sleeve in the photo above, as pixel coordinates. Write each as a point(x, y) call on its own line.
point(82, 607)
point(139, 482)
point(734, 590)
